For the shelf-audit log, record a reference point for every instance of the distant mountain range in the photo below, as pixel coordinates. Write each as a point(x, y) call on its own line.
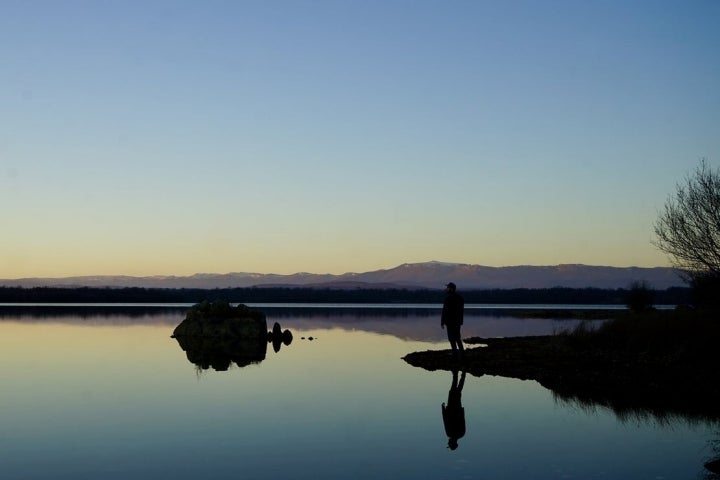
point(409, 275)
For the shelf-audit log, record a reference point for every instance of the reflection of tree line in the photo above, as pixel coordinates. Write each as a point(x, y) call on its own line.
point(35, 312)
point(453, 415)
point(713, 464)
point(631, 406)
point(332, 313)
point(111, 311)
point(417, 324)
point(628, 408)
point(327, 313)
point(318, 318)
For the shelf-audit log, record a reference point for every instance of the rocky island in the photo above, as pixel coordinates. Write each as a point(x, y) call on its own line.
point(216, 334)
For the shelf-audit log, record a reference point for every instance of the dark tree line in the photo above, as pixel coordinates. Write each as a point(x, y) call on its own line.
point(673, 296)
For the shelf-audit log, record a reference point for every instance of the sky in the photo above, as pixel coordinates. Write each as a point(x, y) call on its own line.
point(176, 137)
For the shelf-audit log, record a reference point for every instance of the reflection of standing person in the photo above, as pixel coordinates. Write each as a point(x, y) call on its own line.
point(453, 413)
point(452, 317)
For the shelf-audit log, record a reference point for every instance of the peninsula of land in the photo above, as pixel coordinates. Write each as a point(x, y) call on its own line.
point(659, 362)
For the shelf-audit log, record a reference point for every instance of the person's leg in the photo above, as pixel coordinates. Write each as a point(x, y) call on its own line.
point(455, 340)
point(451, 338)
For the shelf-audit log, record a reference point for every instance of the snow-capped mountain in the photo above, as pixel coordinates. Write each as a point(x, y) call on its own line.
point(432, 274)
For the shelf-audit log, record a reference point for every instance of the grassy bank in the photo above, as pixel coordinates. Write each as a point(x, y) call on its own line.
point(673, 339)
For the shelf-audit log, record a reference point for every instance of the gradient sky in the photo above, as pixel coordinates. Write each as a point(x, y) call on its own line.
point(176, 137)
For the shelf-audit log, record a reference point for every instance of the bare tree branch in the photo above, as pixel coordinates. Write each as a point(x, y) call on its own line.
point(688, 229)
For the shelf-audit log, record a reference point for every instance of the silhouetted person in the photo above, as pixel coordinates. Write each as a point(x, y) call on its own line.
point(452, 317)
point(453, 413)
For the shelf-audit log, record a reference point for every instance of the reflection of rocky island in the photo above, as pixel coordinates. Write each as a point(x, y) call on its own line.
point(217, 334)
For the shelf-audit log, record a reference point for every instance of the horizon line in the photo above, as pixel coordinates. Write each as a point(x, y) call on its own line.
point(335, 274)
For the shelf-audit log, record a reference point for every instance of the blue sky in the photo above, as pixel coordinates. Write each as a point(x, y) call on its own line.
point(171, 137)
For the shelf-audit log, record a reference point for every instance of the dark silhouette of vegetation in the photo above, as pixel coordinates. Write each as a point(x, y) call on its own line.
point(220, 319)
point(639, 297)
point(661, 362)
point(682, 335)
point(705, 290)
point(559, 295)
point(220, 310)
point(688, 229)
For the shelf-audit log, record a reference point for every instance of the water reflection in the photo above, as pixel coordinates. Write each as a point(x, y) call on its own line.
point(405, 323)
point(125, 314)
point(712, 466)
point(76, 406)
point(278, 337)
point(637, 407)
point(453, 413)
point(634, 404)
point(219, 353)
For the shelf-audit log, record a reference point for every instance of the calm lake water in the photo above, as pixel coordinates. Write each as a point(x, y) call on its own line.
point(90, 393)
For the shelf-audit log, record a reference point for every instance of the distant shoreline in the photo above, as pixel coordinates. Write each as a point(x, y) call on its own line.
point(519, 296)
point(552, 312)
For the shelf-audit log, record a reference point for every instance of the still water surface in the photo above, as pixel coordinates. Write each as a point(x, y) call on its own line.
point(88, 395)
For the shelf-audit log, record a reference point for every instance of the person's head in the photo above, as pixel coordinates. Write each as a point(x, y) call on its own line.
point(450, 287)
point(452, 443)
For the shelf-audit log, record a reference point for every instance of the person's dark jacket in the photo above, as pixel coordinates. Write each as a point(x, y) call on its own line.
point(452, 312)
point(454, 420)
